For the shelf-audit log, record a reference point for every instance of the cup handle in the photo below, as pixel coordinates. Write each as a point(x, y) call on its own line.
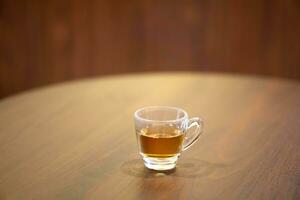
point(191, 138)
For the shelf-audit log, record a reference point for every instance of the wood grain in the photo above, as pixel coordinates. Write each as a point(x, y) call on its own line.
point(77, 140)
point(44, 42)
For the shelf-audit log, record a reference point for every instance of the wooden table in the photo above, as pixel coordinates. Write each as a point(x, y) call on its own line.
point(76, 140)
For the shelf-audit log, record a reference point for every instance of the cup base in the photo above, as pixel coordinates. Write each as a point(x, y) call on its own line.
point(160, 164)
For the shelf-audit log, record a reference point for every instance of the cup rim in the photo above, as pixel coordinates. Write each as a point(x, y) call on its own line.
point(185, 116)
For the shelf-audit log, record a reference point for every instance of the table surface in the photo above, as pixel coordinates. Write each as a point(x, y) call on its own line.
point(76, 140)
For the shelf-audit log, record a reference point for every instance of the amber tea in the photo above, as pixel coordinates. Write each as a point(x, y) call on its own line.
point(160, 142)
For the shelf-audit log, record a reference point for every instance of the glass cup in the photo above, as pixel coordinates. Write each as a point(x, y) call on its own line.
point(163, 133)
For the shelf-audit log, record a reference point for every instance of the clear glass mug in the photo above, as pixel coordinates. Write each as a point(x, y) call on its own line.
point(162, 133)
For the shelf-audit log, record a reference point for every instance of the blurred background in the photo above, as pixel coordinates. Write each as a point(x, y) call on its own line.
point(49, 41)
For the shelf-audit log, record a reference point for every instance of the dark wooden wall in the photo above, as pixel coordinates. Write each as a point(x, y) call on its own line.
point(48, 41)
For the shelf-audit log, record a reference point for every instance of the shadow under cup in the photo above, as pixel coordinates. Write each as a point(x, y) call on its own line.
point(162, 134)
